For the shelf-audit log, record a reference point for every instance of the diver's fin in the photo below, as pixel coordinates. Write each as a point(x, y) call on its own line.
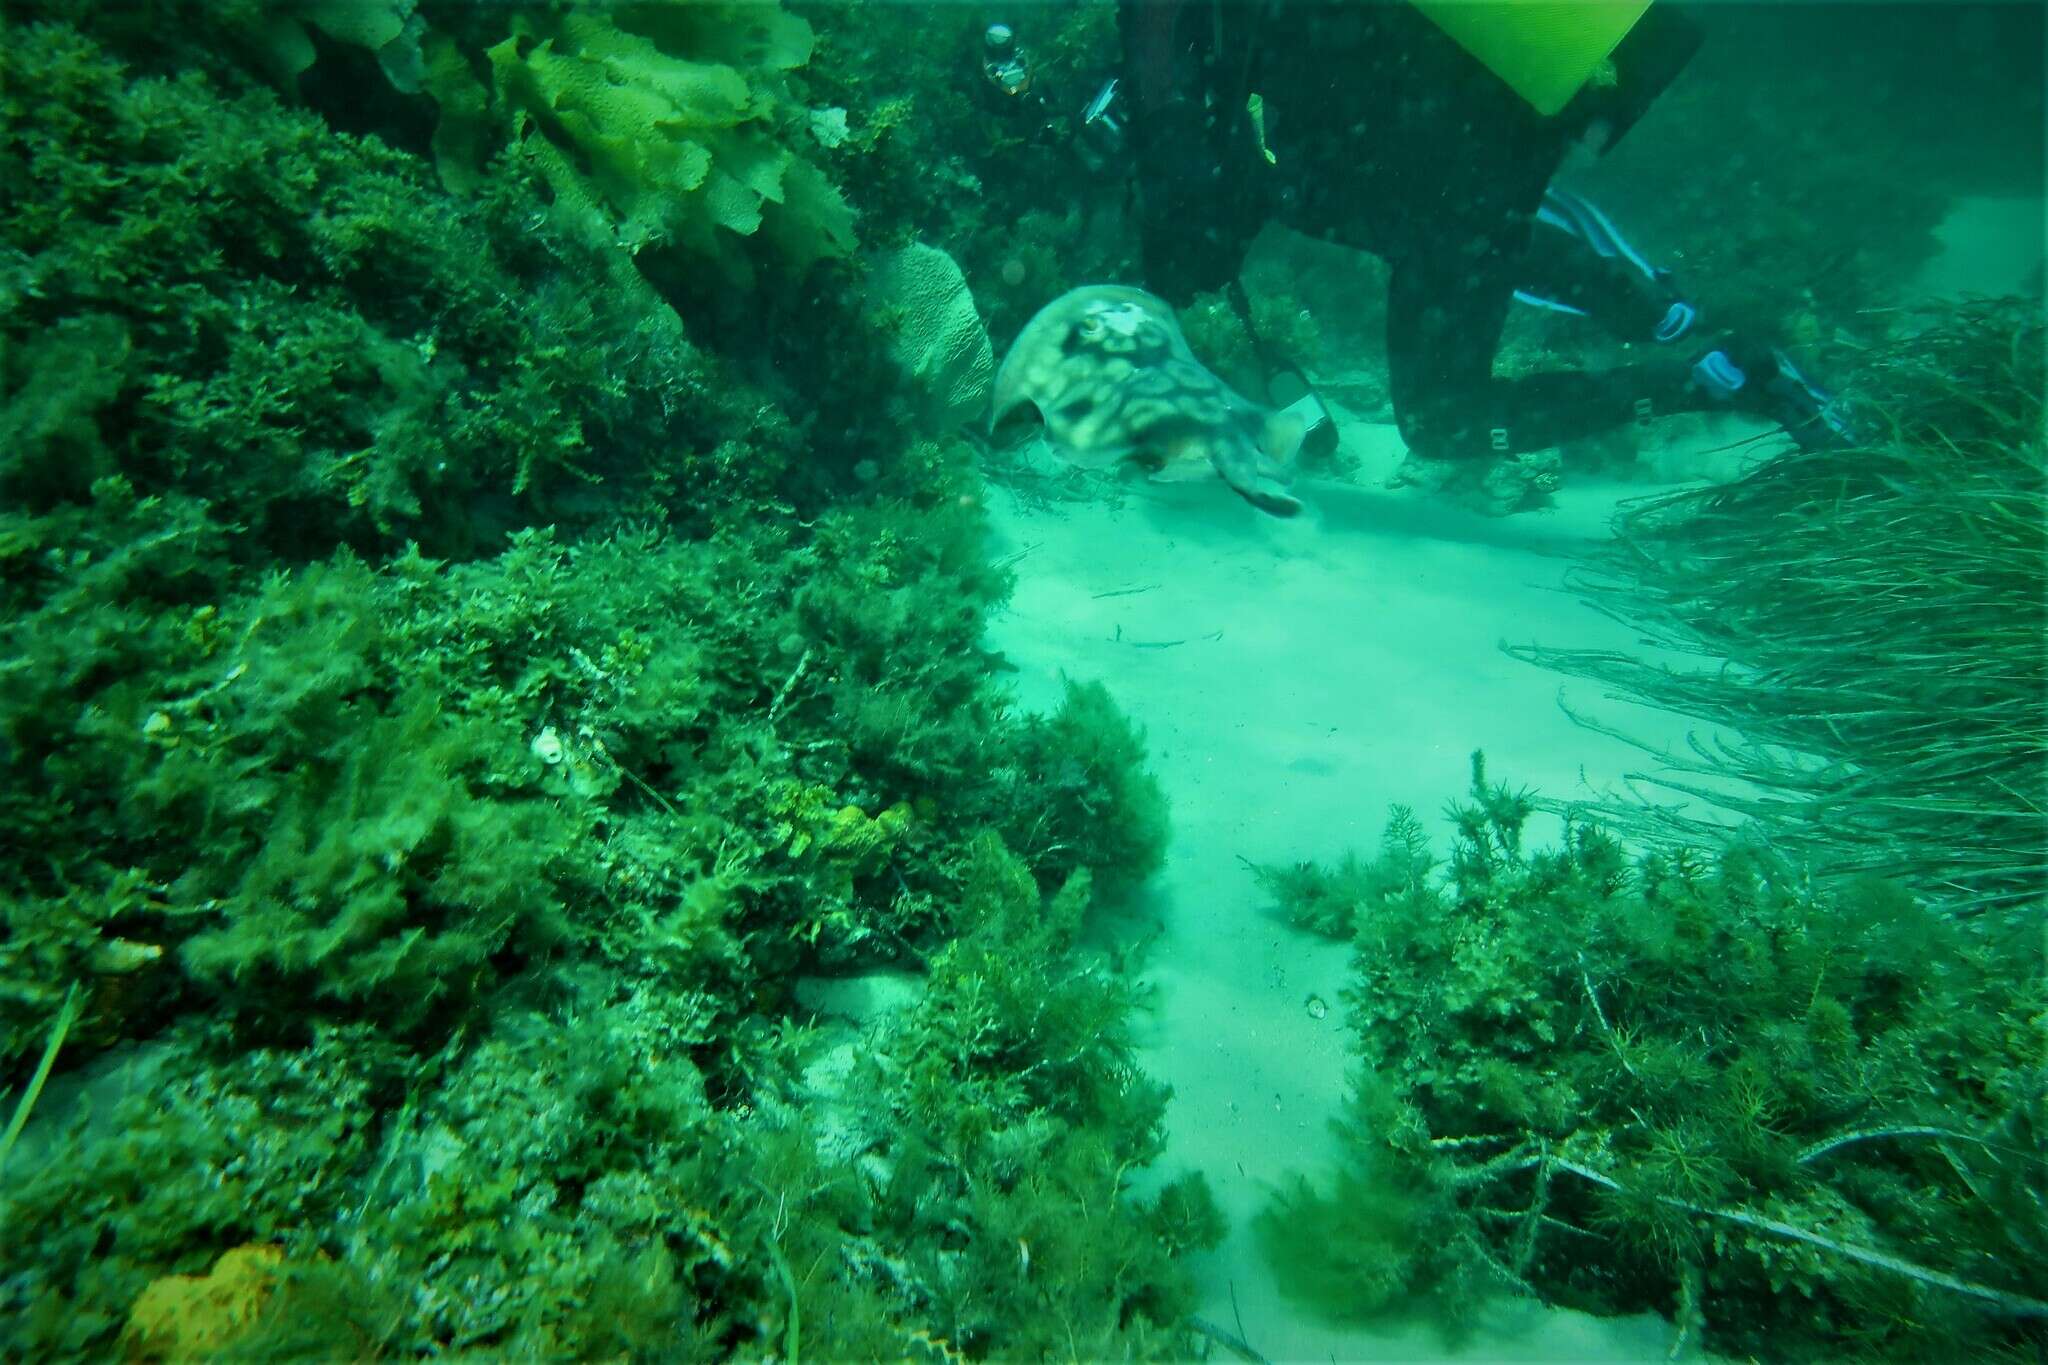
point(1783, 393)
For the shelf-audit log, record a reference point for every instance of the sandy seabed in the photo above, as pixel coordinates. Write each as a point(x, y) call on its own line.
point(1293, 679)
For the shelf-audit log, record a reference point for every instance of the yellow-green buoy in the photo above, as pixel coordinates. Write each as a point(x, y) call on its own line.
point(1544, 49)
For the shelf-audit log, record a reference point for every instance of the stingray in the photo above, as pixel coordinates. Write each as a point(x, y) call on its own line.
point(1107, 369)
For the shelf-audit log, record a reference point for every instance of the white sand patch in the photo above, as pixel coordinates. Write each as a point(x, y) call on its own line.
point(1293, 679)
point(1989, 246)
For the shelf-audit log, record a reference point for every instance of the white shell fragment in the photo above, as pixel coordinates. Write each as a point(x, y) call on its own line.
point(548, 747)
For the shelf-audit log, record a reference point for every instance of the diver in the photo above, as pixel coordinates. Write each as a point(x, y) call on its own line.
point(1371, 125)
point(1007, 70)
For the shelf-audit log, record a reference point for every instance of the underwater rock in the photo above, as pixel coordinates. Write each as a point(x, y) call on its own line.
point(846, 1123)
point(387, 28)
point(936, 334)
point(1492, 488)
point(863, 999)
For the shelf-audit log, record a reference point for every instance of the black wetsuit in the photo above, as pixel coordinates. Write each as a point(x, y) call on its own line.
point(1387, 136)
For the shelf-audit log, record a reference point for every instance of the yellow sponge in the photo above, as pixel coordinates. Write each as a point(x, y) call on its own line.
point(192, 1318)
point(1544, 49)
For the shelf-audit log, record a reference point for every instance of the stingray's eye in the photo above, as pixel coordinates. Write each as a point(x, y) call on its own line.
point(1091, 327)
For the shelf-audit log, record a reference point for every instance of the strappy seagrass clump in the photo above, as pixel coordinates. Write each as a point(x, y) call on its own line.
point(1870, 625)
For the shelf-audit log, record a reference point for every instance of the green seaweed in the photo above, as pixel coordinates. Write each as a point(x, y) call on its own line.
point(1090, 803)
point(656, 127)
point(448, 713)
point(1803, 1122)
point(1330, 901)
point(1021, 1115)
point(321, 344)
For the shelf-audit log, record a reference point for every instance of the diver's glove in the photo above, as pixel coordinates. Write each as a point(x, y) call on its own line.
point(1303, 405)
point(1774, 388)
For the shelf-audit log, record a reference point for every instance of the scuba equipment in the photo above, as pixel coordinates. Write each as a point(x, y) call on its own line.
point(1545, 50)
point(1597, 63)
point(1288, 390)
point(1100, 137)
point(1005, 65)
point(1318, 428)
point(1097, 113)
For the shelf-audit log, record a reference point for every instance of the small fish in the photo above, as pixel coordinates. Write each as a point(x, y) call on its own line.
point(1108, 370)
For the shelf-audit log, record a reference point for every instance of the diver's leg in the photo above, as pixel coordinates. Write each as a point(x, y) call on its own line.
point(1577, 261)
point(1444, 321)
point(1440, 347)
